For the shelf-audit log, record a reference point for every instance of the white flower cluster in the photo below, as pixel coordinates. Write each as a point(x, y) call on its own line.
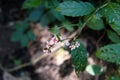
point(77, 44)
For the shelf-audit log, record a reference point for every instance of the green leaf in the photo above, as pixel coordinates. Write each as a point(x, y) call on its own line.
point(32, 3)
point(58, 37)
point(110, 53)
point(24, 40)
point(47, 18)
point(79, 57)
point(95, 23)
point(55, 30)
point(113, 36)
point(36, 14)
point(16, 36)
point(115, 28)
point(57, 15)
point(72, 8)
point(112, 14)
point(67, 25)
point(94, 70)
point(31, 35)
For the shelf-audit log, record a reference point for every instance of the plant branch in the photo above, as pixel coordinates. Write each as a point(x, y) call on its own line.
point(16, 68)
point(78, 32)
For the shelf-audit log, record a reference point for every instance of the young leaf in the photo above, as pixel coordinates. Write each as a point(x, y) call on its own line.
point(113, 36)
point(55, 30)
point(72, 8)
point(94, 70)
point(67, 25)
point(32, 3)
point(79, 57)
point(95, 23)
point(110, 53)
point(112, 14)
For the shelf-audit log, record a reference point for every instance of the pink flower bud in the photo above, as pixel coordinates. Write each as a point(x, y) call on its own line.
point(53, 41)
point(72, 47)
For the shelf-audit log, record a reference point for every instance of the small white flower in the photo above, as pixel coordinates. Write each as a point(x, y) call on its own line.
point(67, 43)
point(77, 44)
point(45, 51)
point(47, 46)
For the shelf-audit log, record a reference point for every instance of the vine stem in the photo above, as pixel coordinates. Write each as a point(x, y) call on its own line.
point(78, 32)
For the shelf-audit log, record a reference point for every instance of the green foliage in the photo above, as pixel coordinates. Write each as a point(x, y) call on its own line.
point(96, 23)
point(94, 70)
point(72, 8)
point(110, 53)
point(112, 14)
point(79, 57)
point(113, 36)
point(22, 34)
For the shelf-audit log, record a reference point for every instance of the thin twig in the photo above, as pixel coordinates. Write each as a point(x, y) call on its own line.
point(19, 67)
point(101, 37)
point(16, 68)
